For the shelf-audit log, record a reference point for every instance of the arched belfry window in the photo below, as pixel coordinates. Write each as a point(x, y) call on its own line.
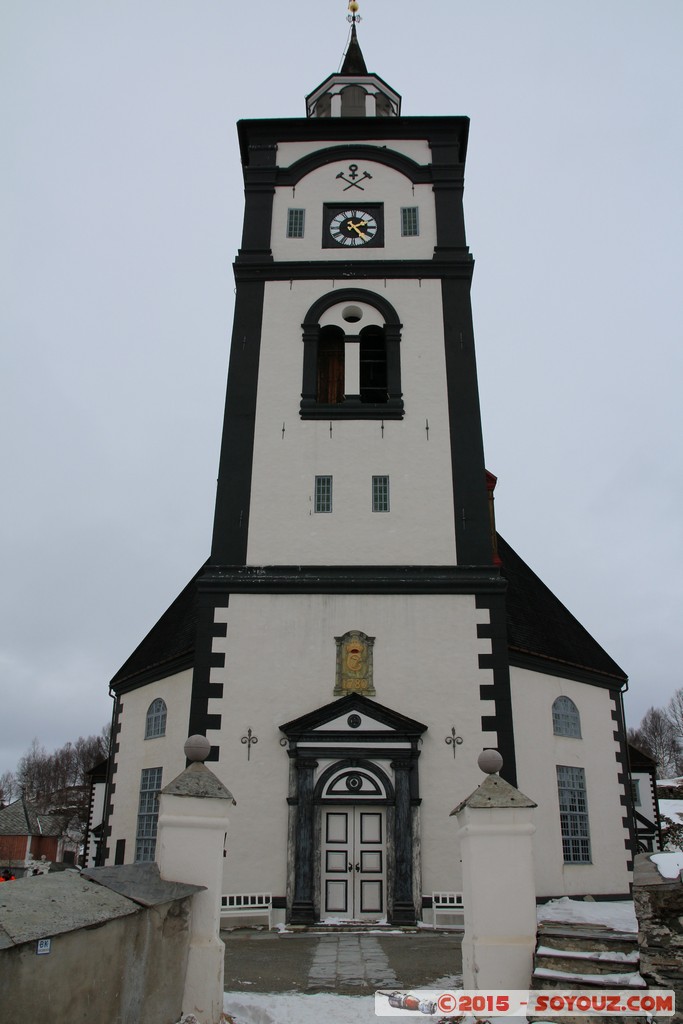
point(155, 723)
point(353, 101)
point(352, 365)
point(566, 719)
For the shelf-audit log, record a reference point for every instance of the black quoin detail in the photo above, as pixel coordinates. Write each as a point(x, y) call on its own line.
point(499, 690)
point(205, 659)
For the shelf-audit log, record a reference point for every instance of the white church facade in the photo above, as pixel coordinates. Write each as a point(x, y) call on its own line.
point(359, 632)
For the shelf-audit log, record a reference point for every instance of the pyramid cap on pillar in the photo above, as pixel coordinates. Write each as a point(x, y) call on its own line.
point(494, 792)
point(199, 781)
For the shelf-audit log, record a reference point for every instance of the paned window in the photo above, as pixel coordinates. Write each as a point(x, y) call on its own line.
point(155, 723)
point(323, 494)
point(148, 814)
point(295, 223)
point(380, 494)
point(566, 719)
point(571, 788)
point(635, 792)
point(410, 224)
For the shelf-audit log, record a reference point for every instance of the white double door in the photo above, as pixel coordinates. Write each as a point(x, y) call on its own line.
point(353, 862)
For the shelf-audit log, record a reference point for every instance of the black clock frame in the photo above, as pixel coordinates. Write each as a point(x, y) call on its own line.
point(330, 211)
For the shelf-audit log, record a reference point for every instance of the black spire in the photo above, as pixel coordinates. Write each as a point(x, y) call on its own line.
point(354, 64)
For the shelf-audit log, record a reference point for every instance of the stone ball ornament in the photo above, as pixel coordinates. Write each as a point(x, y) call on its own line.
point(197, 748)
point(490, 761)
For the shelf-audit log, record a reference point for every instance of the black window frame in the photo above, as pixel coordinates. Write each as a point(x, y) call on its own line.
point(351, 407)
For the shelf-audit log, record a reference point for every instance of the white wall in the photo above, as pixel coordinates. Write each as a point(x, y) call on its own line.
point(538, 751)
point(419, 529)
point(386, 186)
point(136, 753)
point(281, 664)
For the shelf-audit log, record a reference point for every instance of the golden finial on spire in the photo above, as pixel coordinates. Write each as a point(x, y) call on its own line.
point(353, 17)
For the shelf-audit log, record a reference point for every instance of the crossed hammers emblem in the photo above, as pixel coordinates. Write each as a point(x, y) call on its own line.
point(353, 174)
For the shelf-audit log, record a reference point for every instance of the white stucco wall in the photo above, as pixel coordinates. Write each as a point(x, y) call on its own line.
point(281, 664)
point(419, 529)
point(136, 753)
point(538, 751)
point(385, 185)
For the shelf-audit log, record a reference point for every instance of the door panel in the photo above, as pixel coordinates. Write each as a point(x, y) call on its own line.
point(353, 863)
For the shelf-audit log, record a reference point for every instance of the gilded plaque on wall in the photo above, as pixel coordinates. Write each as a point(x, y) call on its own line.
point(354, 663)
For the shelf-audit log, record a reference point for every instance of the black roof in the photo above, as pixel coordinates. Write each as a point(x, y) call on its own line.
point(169, 645)
point(22, 819)
point(542, 634)
point(354, 62)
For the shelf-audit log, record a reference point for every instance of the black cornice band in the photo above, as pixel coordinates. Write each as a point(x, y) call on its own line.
point(446, 136)
point(459, 265)
point(364, 579)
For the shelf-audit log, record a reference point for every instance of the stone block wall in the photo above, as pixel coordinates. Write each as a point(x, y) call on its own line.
point(659, 909)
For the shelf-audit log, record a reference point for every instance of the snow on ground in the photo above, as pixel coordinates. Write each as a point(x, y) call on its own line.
point(294, 1008)
point(669, 865)
point(620, 916)
point(672, 809)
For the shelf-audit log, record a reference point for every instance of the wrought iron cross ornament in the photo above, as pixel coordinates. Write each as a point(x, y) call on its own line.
point(453, 739)
point(249, 739)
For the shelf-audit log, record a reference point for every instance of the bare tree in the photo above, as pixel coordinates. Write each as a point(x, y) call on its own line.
point(656, 736)
point(674, 712)
point(57, 782)
point(8, 788)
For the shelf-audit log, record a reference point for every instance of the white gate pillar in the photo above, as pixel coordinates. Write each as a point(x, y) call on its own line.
point(192, 829)
point(495, 830)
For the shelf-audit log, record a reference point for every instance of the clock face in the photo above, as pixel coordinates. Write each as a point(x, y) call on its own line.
point(352, 226)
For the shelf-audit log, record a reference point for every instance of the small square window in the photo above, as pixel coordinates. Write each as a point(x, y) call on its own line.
point(410, 224)
point(295, 223)
point(380, 494)
point(323, 494)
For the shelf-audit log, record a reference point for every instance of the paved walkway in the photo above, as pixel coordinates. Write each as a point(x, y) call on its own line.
point(350, 963)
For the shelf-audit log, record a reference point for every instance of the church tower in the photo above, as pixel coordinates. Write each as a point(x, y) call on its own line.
point(347, 648)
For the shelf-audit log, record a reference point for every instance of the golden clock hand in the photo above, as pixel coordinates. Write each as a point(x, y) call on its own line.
point(357, 228)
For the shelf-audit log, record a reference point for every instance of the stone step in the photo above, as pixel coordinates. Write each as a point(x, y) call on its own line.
point(568, 937)
point(546, 978)
point(586, 962)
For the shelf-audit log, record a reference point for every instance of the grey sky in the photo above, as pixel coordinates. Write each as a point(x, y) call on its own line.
point(120, 214)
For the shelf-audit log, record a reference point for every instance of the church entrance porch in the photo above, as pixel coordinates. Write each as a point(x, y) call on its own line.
point(354, 813)
point(353, 864)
